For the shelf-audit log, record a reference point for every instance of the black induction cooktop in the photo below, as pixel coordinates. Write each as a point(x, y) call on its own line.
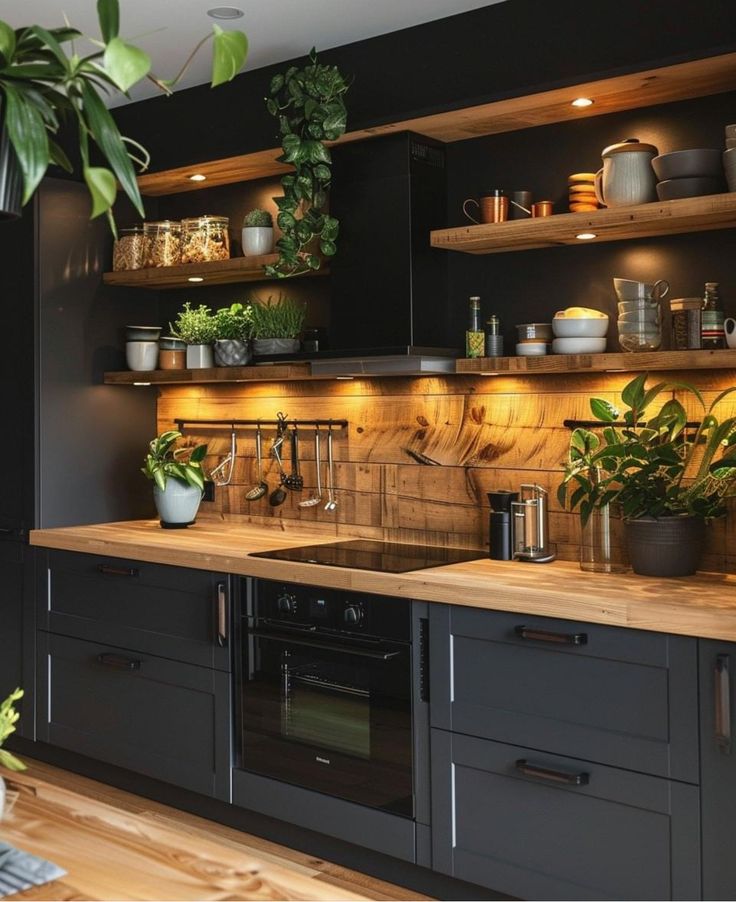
point(367, 554)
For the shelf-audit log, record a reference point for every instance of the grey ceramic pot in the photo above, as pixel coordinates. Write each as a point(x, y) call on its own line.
point(264, 347)
point(231, 352)
point(199, 357)
point(670, 546)
point(178, 504)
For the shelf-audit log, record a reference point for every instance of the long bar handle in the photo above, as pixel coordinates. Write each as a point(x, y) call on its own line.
point(552, 776)
point(119, 662)
point(534, 635)
point(722, 673)
point(221, 615)
point(109, 570)
point(326, 646)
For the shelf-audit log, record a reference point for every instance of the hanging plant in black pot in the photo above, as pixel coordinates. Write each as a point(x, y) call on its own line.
point(668, 476)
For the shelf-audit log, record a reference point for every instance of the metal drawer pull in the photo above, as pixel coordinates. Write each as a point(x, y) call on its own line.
point(119, 662)
point(553, 776)
point(109, 570)
point(526, 632)
point(723, 703)
point(221, 615)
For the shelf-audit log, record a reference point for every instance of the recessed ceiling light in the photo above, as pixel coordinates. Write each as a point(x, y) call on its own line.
point(197, 177)
point(582, 102)
point(225, 12)
point(141, 383)
point(586, 236)
point(490, 374)
point(195, 279)
point(344, 378)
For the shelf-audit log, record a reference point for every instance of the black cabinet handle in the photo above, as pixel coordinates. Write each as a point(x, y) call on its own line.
point(534, 635)
point(119, 662)
point(423, 659)
point(221, 615)
point(552, 776)
point(109, 570)
point(722, 673)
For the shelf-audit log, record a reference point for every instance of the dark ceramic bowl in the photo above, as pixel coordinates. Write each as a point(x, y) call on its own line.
point(696, 187)
point(686, 164)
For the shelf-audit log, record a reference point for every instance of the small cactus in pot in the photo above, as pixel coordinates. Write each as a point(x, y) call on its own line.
point(257, 233)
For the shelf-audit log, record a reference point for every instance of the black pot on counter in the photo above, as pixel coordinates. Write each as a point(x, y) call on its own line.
point(669, 546)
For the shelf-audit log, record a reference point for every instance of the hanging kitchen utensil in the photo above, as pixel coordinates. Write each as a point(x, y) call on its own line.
point(226, 465)
point(261, 487)
point(331, 500)
point(278, 495)
point(295, 481)
point(315, 498)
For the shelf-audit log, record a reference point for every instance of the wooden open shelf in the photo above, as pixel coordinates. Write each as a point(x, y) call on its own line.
point(276, 372)
point(216, 272)
point(682, 81)
point(600, 363)
point(669, 217)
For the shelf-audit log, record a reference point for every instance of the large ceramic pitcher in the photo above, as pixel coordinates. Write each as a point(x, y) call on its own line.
point(627, 176)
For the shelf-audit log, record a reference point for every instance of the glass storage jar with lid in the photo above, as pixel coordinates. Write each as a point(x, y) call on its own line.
point(129, 250)
point(163, 242)
point(205, 238)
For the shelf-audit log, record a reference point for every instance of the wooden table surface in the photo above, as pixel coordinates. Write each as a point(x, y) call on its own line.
point(702, 605)
point(116, 845)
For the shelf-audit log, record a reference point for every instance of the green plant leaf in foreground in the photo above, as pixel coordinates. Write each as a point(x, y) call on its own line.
point(125, 64)
point(102, 187)
point(108, 13)
point(7, 43)
point(28, 135)
point(229, 51)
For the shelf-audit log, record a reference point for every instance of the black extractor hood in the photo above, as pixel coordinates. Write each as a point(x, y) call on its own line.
point(388, 307)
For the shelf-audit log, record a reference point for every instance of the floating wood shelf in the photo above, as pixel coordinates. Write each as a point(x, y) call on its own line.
point(669, 217)
point(683, 81)
point(217, 272)
point(276, 372)
point(600, 363)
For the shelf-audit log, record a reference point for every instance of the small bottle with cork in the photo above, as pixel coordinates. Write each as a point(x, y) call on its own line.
point(712, 333)
point(474, 335)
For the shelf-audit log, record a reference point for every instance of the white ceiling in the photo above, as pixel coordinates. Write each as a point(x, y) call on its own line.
point(277, 30)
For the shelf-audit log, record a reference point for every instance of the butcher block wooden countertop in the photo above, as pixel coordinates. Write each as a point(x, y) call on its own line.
point(702, 605)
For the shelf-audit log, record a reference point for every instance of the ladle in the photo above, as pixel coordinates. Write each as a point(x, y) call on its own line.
point(261, 487)
point(315, 499)
point(331, 501)
point(278, 495)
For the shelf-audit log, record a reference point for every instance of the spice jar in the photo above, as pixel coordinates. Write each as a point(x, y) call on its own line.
point(163, 242)
point(205, 238)
point(129, 250)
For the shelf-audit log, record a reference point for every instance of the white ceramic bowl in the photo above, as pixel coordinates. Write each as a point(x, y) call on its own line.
point(565, 327)
point(531, 349)
point(578, 345)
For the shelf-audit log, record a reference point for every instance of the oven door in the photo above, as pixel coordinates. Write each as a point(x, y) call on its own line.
point(329, 714)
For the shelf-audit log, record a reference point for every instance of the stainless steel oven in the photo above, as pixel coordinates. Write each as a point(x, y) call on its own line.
point(326, 693)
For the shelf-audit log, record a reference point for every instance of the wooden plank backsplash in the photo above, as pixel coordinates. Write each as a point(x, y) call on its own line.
point(475, 433)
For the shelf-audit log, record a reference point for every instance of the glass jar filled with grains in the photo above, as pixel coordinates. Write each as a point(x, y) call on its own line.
point(205, 238)
point(129, 250)
point(163, 242)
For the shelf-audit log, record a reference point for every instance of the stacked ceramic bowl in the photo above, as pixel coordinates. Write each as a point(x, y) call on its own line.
point(729, 157)
point(534, 339)
point(688, 173)
point(579, 330)
point(141, 347)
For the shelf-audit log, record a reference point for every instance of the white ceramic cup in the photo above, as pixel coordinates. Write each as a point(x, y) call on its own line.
point(141, 356)
point(729, 327)
point(257, 241)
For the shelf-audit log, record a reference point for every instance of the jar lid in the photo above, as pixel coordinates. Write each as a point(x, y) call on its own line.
point(204, 219)
point(163, 224)
point(629, 145)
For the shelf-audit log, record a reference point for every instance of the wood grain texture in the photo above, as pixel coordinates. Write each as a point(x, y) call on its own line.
point(601, 363)
point(119, 846)
point(267, 373)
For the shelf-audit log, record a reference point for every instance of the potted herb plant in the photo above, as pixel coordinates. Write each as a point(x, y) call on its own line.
point(8, 719)
point(44, 81)
point(669, 477)
point(276, 326)
point(257, 233)
point(233, 328)
point(197, 327)
point(178, 479)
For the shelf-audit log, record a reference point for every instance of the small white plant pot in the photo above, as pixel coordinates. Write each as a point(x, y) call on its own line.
point(178, 504)
point(257, 240)
point(200, 357)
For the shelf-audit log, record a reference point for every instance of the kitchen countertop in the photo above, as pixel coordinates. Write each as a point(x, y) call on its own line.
point(702, 605)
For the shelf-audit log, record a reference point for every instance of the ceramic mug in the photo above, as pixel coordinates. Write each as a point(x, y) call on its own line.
point(492, 207)
point(141, 356)
point(729, 327)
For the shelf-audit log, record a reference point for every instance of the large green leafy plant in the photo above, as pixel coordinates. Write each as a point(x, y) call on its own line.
point(164, 461)
point(43, 80)
point(8, 719)
point(310, 107)
point(653, 465)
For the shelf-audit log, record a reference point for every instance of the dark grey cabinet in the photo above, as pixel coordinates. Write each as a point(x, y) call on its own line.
point(11, 616)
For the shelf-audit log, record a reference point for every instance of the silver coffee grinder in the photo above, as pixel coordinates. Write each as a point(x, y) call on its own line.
point(531, 525)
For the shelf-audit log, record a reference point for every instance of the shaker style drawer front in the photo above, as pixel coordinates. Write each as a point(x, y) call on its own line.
point(172, 612)
point(156, 717)
point(617, 696)
point(541, 826)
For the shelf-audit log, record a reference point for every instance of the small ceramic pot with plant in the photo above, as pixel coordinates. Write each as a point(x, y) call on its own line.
point(276, 326)
point(178, 479)
point(668, 476)
point(257, 234)
point(8, 719)
point(233, 328)
point(196, 327)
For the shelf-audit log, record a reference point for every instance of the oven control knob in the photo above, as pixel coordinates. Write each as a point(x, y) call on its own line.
point(286, 603)
point(353, 614)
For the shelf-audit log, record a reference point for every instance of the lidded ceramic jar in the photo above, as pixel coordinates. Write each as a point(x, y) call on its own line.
point(627, 176)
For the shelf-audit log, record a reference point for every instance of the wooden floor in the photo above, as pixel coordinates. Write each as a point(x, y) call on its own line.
point(116, 845)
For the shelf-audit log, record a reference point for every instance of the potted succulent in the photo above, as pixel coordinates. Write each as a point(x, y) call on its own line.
point(42, 83)
point(197, 327)
point(257, 233)
point(233, 328)
point(276, 326)
point(8, 718)
point(178, 479)
point(668, 476)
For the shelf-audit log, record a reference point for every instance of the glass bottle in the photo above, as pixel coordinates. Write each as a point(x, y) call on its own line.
point(603, 543)
point(474, 336)
point(712, 334)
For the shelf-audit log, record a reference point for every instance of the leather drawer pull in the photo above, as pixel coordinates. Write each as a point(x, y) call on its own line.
point(529, 633)
point(109, 570)
point(119, 662)
point(552, 776)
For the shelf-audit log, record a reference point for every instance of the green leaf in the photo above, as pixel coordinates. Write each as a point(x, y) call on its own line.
point(126, 65)
point(108, 12)
point(7, 43)
point(335, 122)
point(160, 478)
point(291, 146)
point(633, 393)
point(230, 48)
point(285, 220)
point(102, 187)
point(328, 248)
point(199, 454)
point(28, 135)
point(49, 39)
point(10, 761)
point(603, 410)
point(277, 83)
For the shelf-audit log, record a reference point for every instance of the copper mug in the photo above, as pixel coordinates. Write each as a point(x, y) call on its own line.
point(493, 207)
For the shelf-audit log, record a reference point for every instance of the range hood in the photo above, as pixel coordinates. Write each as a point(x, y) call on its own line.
point(409, 361)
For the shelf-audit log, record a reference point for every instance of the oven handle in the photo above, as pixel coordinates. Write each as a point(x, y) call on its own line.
point(327, 646)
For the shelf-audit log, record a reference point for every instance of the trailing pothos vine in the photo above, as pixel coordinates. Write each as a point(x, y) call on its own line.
point(310, 108)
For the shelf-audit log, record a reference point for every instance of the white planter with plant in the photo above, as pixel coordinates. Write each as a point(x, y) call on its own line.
point(233, 327)
point(197, 327)
point(178, 479)
point(257, 233)
point(277, 325)
point(8, 719)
